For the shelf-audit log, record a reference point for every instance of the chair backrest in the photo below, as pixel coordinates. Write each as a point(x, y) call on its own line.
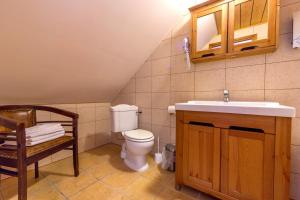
point(26, 116)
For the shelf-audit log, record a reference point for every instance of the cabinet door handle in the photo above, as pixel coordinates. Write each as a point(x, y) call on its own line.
point(207, 55)
point(248, 48)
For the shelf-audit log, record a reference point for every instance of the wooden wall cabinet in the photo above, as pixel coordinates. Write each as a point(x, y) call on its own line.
point(233, 28)
point(232, 156)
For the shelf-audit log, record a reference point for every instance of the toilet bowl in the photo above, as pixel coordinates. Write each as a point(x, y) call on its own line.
point(138, 143)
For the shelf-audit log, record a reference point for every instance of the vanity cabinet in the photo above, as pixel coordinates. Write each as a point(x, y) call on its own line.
point(233, 28)
point(233, 156)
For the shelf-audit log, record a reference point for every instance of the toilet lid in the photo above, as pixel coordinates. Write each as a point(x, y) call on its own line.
point(139, 134)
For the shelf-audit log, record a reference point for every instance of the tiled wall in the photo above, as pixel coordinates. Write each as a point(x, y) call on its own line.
point(164, 80)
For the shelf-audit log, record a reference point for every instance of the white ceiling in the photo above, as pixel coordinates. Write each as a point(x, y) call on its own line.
point(70, 51)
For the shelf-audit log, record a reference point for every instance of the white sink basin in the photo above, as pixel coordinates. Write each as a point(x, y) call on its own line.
point(239, 107)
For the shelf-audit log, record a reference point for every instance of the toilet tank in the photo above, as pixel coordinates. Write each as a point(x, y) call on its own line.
point(124, 118)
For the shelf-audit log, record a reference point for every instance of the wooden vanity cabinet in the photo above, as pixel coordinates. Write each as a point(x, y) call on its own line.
point(232, 156)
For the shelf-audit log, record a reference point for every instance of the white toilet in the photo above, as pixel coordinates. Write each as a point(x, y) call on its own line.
point(138, 142)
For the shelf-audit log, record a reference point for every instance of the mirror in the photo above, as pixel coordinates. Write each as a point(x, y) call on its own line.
point(250, 22)
point(209, 28)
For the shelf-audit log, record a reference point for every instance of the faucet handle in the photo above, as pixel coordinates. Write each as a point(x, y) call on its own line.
point(226, 92)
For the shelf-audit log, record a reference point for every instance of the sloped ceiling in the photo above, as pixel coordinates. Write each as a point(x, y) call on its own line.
point(71, 51)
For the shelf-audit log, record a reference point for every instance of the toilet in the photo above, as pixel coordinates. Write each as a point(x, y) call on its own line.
point(138, 142)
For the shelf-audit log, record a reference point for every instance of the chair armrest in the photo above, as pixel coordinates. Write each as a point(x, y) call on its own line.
point(8, 123)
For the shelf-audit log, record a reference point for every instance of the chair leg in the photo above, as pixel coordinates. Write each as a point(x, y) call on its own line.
point(75, 160)
point(22, 183)
point(36, 169)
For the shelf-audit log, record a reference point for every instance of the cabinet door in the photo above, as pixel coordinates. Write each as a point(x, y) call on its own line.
point(252, 26)
point(247, 164)
point(201, 157)
point(209, 33)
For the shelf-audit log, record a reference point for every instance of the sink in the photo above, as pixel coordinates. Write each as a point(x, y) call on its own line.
point(239, 107)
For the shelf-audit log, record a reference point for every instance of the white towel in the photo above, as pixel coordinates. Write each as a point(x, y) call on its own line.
point(42, 137)
point(28, 143)
point(42, 129)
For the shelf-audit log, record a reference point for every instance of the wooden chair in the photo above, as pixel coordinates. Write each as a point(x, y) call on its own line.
point(18, 117)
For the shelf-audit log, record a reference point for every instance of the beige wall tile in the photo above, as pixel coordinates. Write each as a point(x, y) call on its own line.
point(283, 75)
point(145, 116)
point(102, 112)
point(163, 132)
point(42, 115)
point(103, 126)
point(160, 100)
point(87, 114)
point(143, 84)
point(124, 99)
point(145, 126)
point(161, 66)
point(173, 120)
point(102, 138)
point(183, 82)
point(295, 159)
point(163, 50)
point(160, 117)
point(288, 2)
point(216, 95)
point(285, 52)
point(245, 61)
point(179, 97)
point(161, 84)
point(210, 80)
point(245, 78)
point(86, 143)
point(247, 95)
point(86, 129)
point(144, 71)
point(68, 107)
point(143, 100)
point(220, 64)
point(295, 182)
point(179, 64)
point(173, 135)
point(285, 97)
point(296, 131)
point(177, 43)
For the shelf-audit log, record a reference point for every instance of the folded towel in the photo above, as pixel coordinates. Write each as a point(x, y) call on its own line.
point(42, 137)
point(28, 143)
point(42, 129)
point(35, 142)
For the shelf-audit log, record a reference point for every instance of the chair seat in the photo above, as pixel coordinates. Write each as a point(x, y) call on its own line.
point(33, 150)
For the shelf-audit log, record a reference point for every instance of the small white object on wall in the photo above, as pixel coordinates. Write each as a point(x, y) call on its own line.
point(171, 109)
point(296, 29)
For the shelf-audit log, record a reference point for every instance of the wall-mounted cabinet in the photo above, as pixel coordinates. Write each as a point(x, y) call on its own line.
point(233, 28)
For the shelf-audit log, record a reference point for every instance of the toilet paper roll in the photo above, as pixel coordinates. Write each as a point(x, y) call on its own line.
point(171, 109)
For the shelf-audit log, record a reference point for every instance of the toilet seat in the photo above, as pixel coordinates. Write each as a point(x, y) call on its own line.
point(139, 135)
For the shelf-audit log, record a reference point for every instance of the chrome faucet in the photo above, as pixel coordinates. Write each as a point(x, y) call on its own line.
point(226, 95)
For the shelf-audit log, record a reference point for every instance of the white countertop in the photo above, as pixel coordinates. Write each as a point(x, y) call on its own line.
point(239, 107)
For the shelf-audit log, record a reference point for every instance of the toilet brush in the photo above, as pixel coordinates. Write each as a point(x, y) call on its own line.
point(158, 155)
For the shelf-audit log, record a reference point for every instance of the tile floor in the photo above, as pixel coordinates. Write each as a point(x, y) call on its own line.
point(103, 176)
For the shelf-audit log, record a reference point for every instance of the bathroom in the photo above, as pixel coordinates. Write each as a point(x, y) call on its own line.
point(74, 56)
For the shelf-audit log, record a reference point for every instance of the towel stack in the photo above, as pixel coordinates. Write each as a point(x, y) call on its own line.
point(41, 133)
